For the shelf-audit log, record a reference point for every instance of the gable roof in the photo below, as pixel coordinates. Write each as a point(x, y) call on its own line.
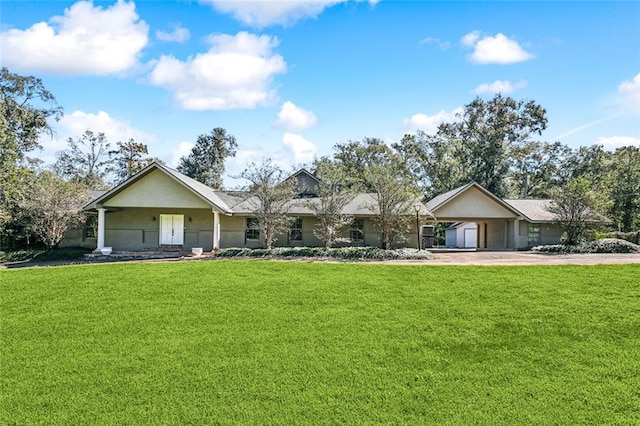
point(199, 189)
point(363, 204)
point(533, 210)
point(237, 202)
point(306, 172)
point(441, 200)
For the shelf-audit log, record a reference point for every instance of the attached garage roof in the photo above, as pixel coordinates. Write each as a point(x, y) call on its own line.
point(470, 202)
point(533, 210)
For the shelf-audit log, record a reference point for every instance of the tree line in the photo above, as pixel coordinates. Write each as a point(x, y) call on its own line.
point(39, 202)
point(495, 143)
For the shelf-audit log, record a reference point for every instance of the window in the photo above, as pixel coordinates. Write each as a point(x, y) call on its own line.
point(90, 227)
point(295, 230)
point(356, 230)
point(533, 232)
point(252, 232)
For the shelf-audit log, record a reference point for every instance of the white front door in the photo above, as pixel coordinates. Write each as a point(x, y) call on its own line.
point(171, 229)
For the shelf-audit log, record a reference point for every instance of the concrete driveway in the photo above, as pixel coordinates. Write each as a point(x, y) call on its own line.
point(528, 258)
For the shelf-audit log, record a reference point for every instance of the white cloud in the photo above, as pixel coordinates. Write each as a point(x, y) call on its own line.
point(470, 39)
point(613, 142)
point(499, 86)
point(245, 156)
point(182, 150)
point(115, 130)
point(429, 123)
point(301, 149)
point(442, 44)
point(236, 72)
point(263, 13)
point(629, 93)
point(178, 34)
point(86, 40)
point(74, 125)
point(494, 50)
point(292, 117)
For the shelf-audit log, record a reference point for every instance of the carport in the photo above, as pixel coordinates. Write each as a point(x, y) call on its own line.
point(497, 223)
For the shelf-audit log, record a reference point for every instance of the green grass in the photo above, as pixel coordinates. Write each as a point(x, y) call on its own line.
point(262, 342)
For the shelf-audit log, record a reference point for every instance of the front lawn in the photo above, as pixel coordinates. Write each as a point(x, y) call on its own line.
point(264, 342)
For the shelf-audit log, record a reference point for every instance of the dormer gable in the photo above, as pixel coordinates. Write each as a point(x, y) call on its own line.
point(306, 183)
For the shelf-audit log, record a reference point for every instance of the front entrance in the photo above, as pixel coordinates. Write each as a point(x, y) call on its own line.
point(171, 229)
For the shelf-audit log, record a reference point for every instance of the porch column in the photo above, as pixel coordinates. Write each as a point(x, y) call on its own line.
point(216, 230)
point(516, 234)
point(100, 228)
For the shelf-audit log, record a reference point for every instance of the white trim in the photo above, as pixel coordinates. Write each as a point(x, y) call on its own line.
point(216, 230)
point(100, 242)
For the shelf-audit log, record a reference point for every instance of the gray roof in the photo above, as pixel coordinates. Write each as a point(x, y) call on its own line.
point(533, 210)
point(438, 200)
point(360, 205)
point(240, 203)
point(95, 193)
point(200, 188)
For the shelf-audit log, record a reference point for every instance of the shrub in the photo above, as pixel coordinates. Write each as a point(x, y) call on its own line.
point(632, 237)
point(67, 253)
point(612, 245)
point(342, 253)
point(606, 245)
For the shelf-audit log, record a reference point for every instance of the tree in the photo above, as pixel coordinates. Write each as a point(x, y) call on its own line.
point(205, 162)
point(52, 205)
point(622, 183)
point(86, 160)
point(26, 109)
point(128, 160)
point(23, 121)
point(587, 162)
point(269, 193)
point(436, 162)
point(394, 203)
point(537, 168)
point(488, 131)
point(355, 156)
point(575, 206)
point(335, 191)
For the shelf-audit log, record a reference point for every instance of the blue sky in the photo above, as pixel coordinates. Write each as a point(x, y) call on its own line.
point(290, 79)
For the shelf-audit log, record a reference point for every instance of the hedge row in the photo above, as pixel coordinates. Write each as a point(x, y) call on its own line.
point(606, 245)
point(342, 253)
point(632, 237)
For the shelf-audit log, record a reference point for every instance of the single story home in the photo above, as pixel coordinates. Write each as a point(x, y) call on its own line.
point(160, 207)
point(485, 221)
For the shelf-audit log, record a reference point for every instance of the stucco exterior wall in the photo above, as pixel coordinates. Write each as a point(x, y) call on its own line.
point(75, 238)
point(472, 204)
point(523, 240)
point(232, 234)
point(156, 190)
point(136, 229)
point(550, 233)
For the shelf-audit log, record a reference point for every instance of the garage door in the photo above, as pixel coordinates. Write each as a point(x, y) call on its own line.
point(470, 238)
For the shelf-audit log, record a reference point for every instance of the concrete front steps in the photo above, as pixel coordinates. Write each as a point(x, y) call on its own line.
point(161, 253)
